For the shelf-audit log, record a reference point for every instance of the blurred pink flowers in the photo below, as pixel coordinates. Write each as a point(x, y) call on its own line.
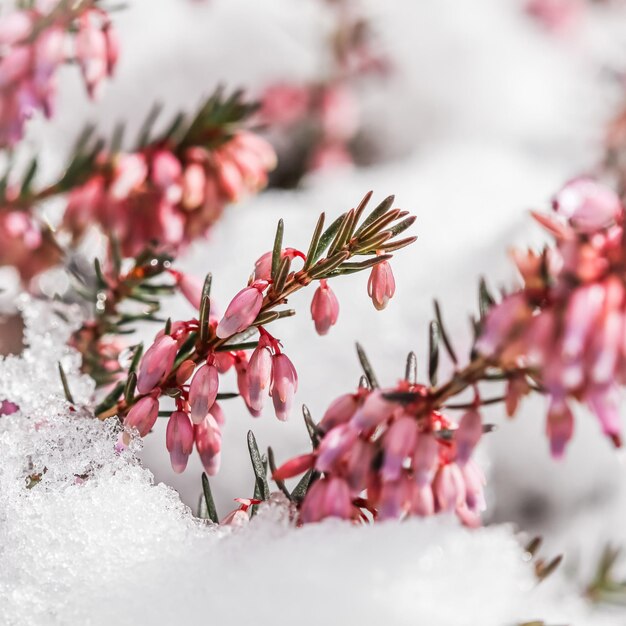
point(168, 196)
point(566, 325)
point(33, 44)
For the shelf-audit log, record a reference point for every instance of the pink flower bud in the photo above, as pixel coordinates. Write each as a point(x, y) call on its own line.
point(474, 486)
point(242, 310)
point(156, 363)
point(588, 205)
point(179, 440)
point(15, 27)
point(468, 435)
point(358, 465)
point(374, 411)
point(294, 467)
point(381, 285)
point(217, 413)
point(324, 308)
point(283, 104)
point(335, 444)
point(131, 171)
point(423, 503)
point(340, 411)
point(263, 265)
point(14, 65)
point(209, 444)
point(259, 374)
point(399, 444)
point(284, 385)
point(142, 415)
point(91, 53)
point(191, 287)
point(112, 46)
point(229, 178)
point(395, 498)
point(184, 371)
point(241, 365)
point(425, 458)
point(194, 183)
point(203, 392)
point(449, 487)
point(327, 497)
point(166, 174)
point(559, 426)
point(49, 53)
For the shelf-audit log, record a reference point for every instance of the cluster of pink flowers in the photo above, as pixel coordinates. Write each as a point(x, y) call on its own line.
point(33, 44)
point(566, 326)
point(326, 114)
point(159, 195)
point(267, 371)
point(389, 460)
point(25, 245)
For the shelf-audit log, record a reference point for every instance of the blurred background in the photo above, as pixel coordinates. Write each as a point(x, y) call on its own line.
point(471, 113)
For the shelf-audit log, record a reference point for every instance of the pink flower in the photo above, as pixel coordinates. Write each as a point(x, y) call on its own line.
point(449, 487)
point(259, 373)
point(374, 411)
point(339, 113)
point(208, 438)
point(327, 497)
point(142, 415)
point(241, 366)
point(334, 446)
point(91, 53)
point(203, 391)
point(242, 311)
point(588, 205)
point(324, 308)
point(156, 363)
point(283, 104)
point(425, 458)
point(15, 27)
point(191, 287)
point(179, 440)
point(381, 285)
point(263, 266)
point(467, 435)
point(284, 385)
point(340, 411)
point(240, 517)
point(399, 443)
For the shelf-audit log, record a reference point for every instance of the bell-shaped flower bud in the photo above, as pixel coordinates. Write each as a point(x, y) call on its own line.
point(203, 392)
point(263, 265)
point(284, 385)
point(241, 366)
point(91, 53)
point(15, 27)
point(242, 310)
point(334, 446)
point(327, 497)
point(374, 411)
point(259, 374)
point(423, 503)
point(425, 458)
point(191, 288)
point(324, 308)
point(179, 440)
point(208, 438)
point(340, 411)
point(559, 426)
point(398, 445)
point(468, 435)
point(156, 363)
point(381, 285)
point(449, 487)
point(142, 415)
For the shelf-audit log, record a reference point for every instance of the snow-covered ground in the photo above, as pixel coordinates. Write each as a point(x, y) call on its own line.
point(485, 117)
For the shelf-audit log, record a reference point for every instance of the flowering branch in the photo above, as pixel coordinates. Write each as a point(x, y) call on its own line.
point(217, 346)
